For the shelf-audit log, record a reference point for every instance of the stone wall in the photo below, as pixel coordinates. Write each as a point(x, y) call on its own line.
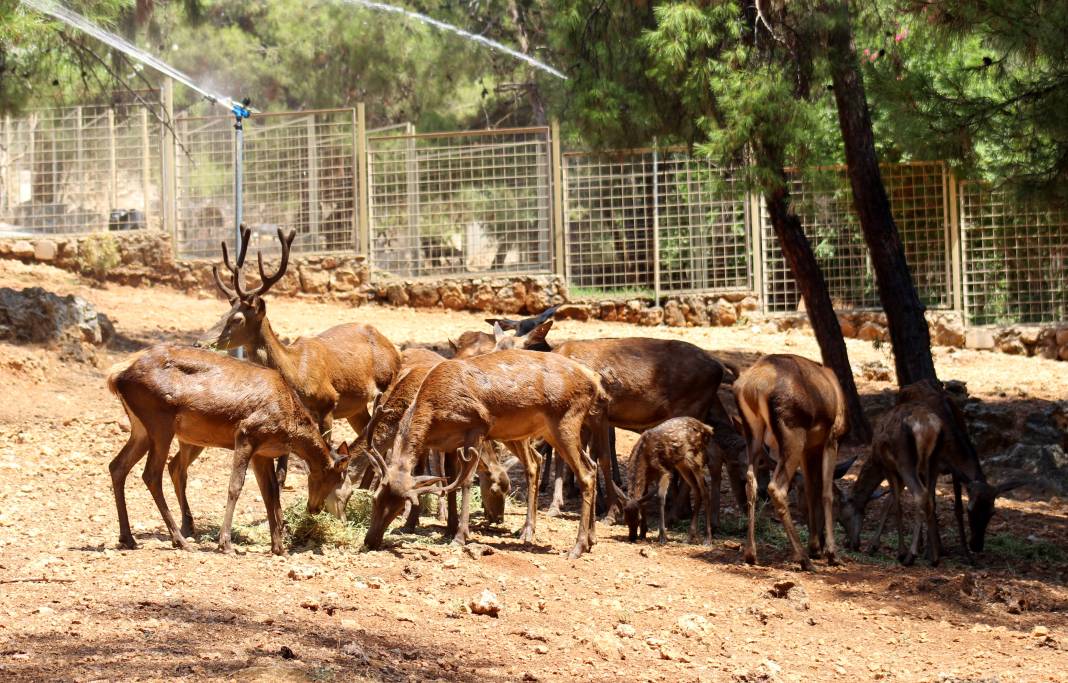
point(147, 257)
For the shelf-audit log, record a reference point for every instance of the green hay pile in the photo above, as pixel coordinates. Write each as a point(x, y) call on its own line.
point(324, 529)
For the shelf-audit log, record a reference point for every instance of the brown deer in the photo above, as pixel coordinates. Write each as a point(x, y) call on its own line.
point(208, 400)
point(957, 457)
point(335, 374)
point(683, 445)
point(508, 396)
point(906, 445)
point(794, 407)
point(647, 381)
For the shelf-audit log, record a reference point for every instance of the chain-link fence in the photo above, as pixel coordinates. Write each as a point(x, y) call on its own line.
point(472, 202)
point(1015, 258)
point(299, 174)
point(824, 203)
point(80, 169)
point(645, 221)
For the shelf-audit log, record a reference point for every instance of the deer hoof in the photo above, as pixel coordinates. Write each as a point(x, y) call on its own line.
point(750, 557)
point(181, 544)
point(806, 565)
point(553, 511)
point(526, 536)
point(833, 561)
point(278, 551)
point(906, 559)
point(128, 543)
point(226, 548)
point(576, 552)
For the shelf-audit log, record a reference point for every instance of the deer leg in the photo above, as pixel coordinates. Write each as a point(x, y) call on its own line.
point(546, 453)
point(239, 467)
point(661, 494)
point(437, 462)
point(712, 501)
point(751, 493)
point(601, 441)
point(153, 478)
point(178, 466)
point(877, 539)
point(566, 442)
point(558, 487)
point(809, 496)
point(267, 479)
point(958, 511)
point(830, 459)
point(531, 463)
point(934, 539)
point(790, 455)
point(136, 447)
point(697, 488)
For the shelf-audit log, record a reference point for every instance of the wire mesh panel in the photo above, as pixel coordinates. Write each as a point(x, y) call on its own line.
point(608, 211)
point(824, 203)
point(299, 174)
point(703, 242)
point(468, 202)
point(80, 169)
point(629, 213)
point(1015, 255)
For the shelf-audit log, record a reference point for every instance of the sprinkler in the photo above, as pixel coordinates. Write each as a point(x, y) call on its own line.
point(241, 112)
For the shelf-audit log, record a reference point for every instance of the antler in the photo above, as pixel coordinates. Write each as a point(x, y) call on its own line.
point(268, 281)
point(235, 272)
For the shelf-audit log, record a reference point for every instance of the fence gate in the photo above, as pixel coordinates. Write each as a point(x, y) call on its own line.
point(464, 202)
point(300, 174)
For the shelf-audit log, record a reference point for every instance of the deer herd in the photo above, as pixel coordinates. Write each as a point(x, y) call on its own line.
point(436, 422)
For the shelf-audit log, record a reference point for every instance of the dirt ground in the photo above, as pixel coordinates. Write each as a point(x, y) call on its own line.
point(74, 607)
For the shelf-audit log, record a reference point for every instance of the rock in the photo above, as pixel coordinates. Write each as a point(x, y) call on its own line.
point(1048, 463)
point(35, 315)
point(723, 313)
point(849, 330)
point(477, 550)
point(695, 310)
point(580, 312)
point(354, 650)
point(979, 338)
point(626, 631)
point(947, 329)
point(693, 625)
point(302, 572)
point(452, 296)
point(606, 310)
point(608, 646)
point(673, 316)
point(876, 371)
point(423, 295)
point(273, 672)
point(748, 304)
point(486, 604)
point(44, 250)
point(1040, 631)
point(314, 281)
point(1012, 346)
point(511, 298)
point(871, 331)
point(651, 317)
point(22, 249)
point(788, 590)
point(482, 298)
point(397, 294)
point(632, 311)
point(345, 279)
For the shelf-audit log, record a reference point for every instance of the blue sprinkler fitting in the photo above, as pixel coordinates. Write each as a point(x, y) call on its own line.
point(240, 111)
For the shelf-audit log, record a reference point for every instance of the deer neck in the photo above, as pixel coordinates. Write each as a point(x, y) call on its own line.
point(279, 356)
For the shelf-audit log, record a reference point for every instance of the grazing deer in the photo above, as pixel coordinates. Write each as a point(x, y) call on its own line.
point(683, 445)
point(335, 374)
point(508, 396)
point(906, 446)
point(647, 381)
point(956, 456)
point(208, 400)
point(794, 407)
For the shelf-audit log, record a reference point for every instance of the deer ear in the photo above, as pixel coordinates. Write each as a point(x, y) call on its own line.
point(1006, 486)
point(343, 449)
point(498, 332)
point(455, 348)
point(537, 335)
point(493, 322)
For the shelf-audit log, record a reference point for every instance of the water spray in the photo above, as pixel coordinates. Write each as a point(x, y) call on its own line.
point(241, 110)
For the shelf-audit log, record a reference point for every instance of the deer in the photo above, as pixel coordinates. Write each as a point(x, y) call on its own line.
point(207, 400)
point(336, 374)
point(382, 429)
point(683, 445)
point(471, 343)
point(648, 381)
point(795, 408)
point(957, 457)
point(508, 396)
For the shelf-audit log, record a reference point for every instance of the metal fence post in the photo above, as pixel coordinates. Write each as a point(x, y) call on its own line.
point(168, 162)
point(10, 197)
point(755, 219)
point(411, 174)
point(954, 245)
point(113, 174)
point(313, 178)
point(363, 183)
point(145, 161)
point(557, 164)
point(656, 226)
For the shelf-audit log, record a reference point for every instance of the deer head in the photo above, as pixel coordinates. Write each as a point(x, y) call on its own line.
point(495, 484)
point(397, 489)
point(322, 483)
point(532, 341)
point(241, 325)
point(981, 497)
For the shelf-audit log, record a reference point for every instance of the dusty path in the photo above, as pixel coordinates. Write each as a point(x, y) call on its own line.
point(76, 608)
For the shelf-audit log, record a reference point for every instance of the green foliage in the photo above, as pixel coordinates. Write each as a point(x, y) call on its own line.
point(98, 254)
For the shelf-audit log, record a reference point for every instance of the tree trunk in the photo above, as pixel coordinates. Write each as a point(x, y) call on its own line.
point(809, 278)
point(904, 310)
